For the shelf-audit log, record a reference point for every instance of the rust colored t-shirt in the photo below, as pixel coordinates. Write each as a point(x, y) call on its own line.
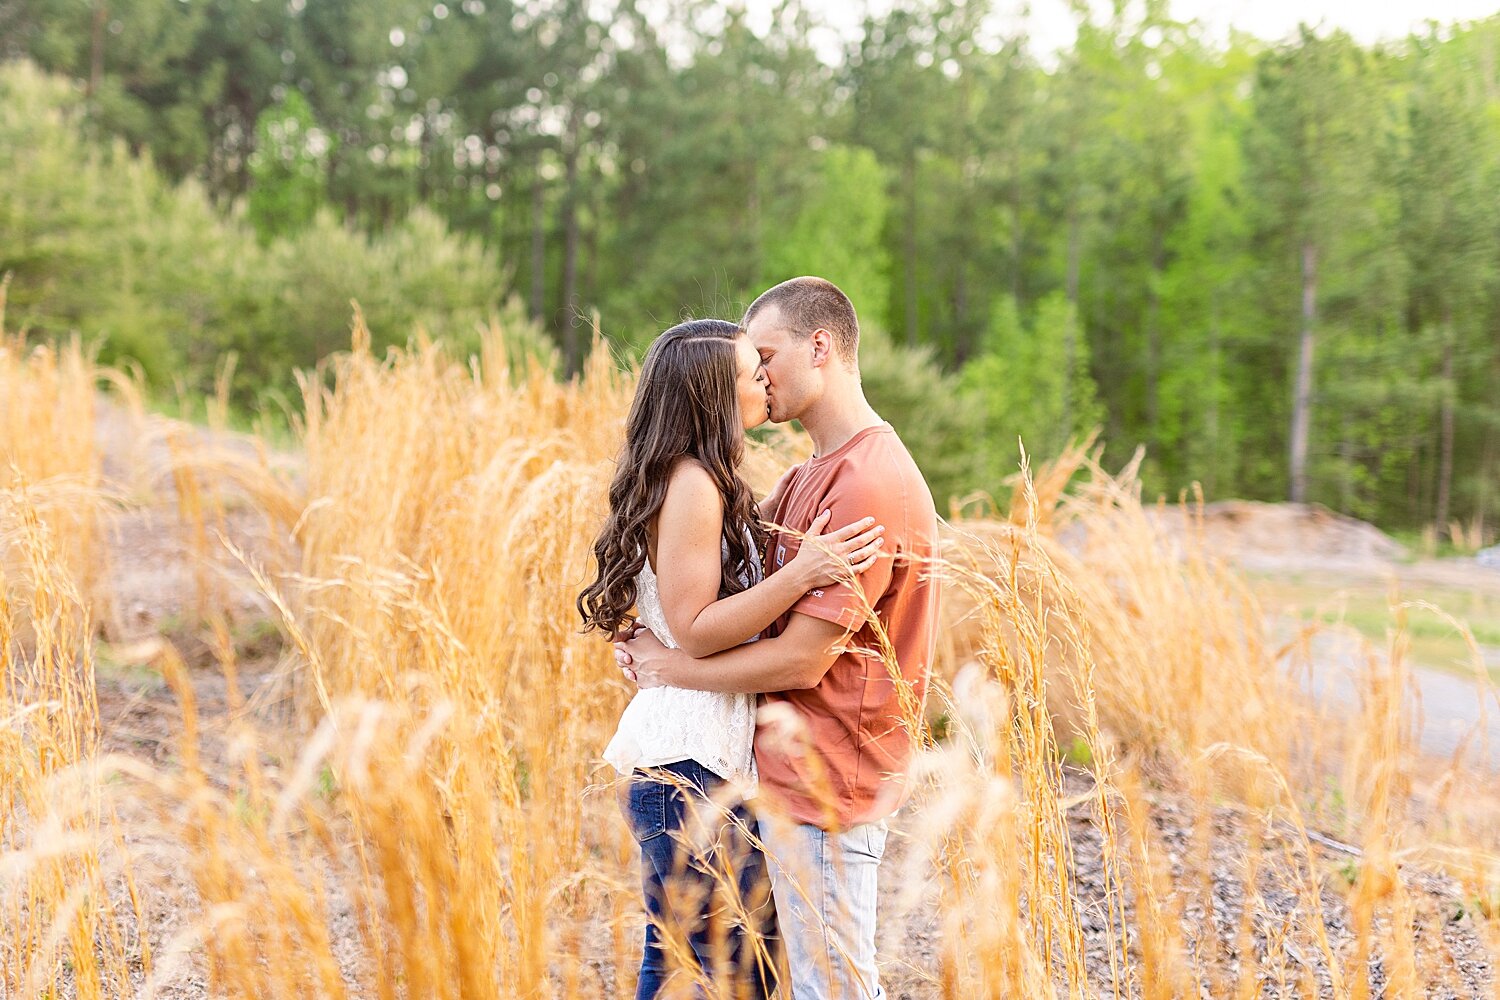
point(837, 754)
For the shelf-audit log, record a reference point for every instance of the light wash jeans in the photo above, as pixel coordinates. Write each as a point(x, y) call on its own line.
point(824, 886)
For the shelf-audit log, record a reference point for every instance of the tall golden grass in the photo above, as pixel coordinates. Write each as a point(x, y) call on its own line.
point(1114, 741)
point(58, 922)
point(47, 413)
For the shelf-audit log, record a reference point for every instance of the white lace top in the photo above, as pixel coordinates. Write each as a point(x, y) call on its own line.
point(665, 725)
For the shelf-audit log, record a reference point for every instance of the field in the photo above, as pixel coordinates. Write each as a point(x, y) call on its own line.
point(317, 720)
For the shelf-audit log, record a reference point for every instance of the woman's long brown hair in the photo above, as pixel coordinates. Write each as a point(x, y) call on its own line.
point(686, 404)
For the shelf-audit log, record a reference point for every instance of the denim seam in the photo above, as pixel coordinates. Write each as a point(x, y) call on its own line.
point(830, 946)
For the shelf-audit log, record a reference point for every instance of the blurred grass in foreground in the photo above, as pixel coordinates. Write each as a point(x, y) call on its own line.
point(437, 823)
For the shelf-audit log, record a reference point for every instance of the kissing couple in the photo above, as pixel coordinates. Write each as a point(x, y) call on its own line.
point(781, 649)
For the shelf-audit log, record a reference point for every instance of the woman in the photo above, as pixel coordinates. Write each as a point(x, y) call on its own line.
point(682, 545)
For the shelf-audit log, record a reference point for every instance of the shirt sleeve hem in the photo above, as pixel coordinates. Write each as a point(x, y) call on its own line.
point(851, 619)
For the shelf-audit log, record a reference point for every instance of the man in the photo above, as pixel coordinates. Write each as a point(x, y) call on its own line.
point(845, 675)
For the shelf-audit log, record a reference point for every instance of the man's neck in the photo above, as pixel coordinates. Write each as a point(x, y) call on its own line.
point(837, 417)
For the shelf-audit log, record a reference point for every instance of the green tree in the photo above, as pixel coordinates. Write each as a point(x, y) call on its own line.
point(711, 166)
point(288, 168)
point(1032, 383)
point(1314, 156)
point(1206, 311)
point(837, 230)
point(102, 242)
point(906, 108)
point(1449, 228)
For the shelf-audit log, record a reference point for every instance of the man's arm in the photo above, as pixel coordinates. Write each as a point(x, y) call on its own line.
point(796, 659)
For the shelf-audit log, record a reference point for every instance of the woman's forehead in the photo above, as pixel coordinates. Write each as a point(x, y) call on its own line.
point(749, 356)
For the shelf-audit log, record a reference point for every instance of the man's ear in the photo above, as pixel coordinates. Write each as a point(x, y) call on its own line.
point(822, 347)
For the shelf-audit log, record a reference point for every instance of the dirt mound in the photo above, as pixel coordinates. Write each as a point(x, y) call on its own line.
point(1272, 536)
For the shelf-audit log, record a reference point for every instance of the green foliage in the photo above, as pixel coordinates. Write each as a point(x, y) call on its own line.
point(837, 230)
point(1325, 217)
point(1136, 209)
point(1205, 310)
point(99, 241)
point(288, 168)
point(713, 165)
point(1078, 752)
point(1031, 385)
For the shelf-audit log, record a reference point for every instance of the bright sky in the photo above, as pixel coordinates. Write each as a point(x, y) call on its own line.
point(1367, 20)
point(1051, 24)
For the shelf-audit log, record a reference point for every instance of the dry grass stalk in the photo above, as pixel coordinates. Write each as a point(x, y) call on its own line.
point(47, 412)
point(441, 805)
point(49, 812)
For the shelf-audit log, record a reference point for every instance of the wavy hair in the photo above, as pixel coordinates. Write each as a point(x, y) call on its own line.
point(686, 404)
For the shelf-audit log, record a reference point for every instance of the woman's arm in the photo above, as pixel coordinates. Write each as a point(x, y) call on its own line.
point(689, 567)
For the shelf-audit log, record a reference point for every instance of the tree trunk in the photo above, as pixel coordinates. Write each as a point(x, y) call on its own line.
point(1414, 506)
point(1071, 283)
point(494, 175)
point(910, 180)
point(1153, 336)
point(96, 49)
point(752, 231)
point(1445, 441)
point(1017, 239)
point(1486, 477)
point(964, 341)
point(591, 257)
point(424, 159)
point(351, 193)
point(538, 244)
point(1075, 253)
point(1487, 464)
point(1302, 398)
point(1211, 416)
point(1487, 472)
point(570, 318)
point(1346, 468)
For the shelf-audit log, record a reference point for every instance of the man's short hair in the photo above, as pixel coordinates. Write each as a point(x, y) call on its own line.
point(809, 304)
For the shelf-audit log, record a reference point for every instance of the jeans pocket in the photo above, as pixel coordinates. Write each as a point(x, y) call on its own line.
point(878, 833)
point(647, 807)
point(867, 840)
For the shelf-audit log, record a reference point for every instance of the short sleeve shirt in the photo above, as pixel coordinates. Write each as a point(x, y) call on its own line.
point(837, 754)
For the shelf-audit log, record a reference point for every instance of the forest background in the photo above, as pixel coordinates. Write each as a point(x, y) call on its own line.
point(1276, 266)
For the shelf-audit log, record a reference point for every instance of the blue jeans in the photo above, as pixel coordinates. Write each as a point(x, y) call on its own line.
point(684, 841)
point(825, 889)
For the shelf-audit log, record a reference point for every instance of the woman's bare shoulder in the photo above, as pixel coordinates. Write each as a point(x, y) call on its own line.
point(691, 477)
point(692, 512)
point(691, 491)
